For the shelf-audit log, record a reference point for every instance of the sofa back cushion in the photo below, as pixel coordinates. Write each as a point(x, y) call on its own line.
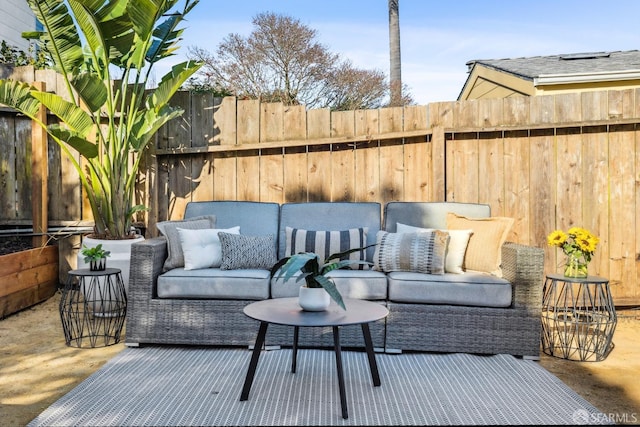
point(429, 214)
point(254, 218)
point(328, 216)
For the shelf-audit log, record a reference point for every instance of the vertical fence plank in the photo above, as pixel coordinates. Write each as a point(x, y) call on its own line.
point(319, 156)
point(621, 172)
point(391, 156)
point(517, 187)
point(224, 121)
point(8, 176)
point(295, 158)
point(417, 156)
point(248, 132)
point(272, 160)
point(203, 134)
point(367, 157)
point(542, 205)
point(39, 174)
point(342, 157)
point(495, 159)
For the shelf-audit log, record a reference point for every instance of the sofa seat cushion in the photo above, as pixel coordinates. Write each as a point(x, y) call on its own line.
point(470, 289)
point(361, 284)
point(213, 283)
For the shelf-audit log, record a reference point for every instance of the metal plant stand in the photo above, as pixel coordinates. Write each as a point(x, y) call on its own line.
point(578, 318)
point(93, 307)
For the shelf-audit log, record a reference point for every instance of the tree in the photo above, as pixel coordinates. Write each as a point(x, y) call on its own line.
point(395, 80)
point(281, 60)
point(110, 122)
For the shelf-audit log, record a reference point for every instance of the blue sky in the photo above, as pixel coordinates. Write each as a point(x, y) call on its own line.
point(437, 38)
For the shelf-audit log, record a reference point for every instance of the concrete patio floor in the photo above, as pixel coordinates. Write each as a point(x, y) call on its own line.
point(37, 367)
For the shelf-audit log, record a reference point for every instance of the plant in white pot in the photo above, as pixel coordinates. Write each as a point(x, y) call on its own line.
point(104, 51)
point(318, 288)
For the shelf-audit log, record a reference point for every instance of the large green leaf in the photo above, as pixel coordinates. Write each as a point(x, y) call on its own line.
point(85, 148)
point(91, 90)
point(331, 289)
point(73, 116)
point(171, 82)
point(149, 123)
point(61, 34)
point(17, 95)
point(89, 27)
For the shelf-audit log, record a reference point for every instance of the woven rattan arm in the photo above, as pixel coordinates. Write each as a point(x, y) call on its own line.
point(147, 260)
point(523, 266)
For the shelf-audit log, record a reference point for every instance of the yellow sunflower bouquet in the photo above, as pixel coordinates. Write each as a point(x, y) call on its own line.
point(579, 245)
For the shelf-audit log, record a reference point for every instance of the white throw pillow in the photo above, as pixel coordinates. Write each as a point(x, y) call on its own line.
point(456, 249)
point(202, 248)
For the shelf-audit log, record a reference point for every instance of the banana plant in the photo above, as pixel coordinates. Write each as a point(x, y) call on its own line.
point(314, 273)
point(105, 51)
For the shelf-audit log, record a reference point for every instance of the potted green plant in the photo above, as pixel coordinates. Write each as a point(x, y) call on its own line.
point(315, 276)
point(105, 51)
point(96, 257)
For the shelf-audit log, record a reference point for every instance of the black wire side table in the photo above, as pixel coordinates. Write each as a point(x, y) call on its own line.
point(578, 318)
point(93, 307)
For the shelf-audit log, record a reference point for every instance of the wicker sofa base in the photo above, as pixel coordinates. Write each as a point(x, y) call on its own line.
point(453, 329)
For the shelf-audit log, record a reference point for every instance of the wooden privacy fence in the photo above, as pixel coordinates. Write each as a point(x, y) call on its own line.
point(550, 162)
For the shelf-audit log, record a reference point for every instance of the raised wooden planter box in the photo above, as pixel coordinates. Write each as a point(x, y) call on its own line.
point(27, 278)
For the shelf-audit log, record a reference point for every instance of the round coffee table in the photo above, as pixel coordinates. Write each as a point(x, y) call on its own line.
point(286, 311)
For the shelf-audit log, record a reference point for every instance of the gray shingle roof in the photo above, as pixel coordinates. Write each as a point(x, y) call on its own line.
point(532, 67)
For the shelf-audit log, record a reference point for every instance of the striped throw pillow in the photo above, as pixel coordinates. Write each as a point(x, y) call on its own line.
point(422, 252)
point(326, 243)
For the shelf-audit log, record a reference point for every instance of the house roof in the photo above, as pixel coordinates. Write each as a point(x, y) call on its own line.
point(533, 67)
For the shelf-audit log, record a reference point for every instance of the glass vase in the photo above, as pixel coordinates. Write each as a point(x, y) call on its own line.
point(576, 267)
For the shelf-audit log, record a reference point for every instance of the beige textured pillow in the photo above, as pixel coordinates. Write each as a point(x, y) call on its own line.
point(484, 252)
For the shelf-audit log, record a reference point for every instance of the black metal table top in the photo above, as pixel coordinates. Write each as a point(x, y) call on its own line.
point(286, 311)
point(88, 272)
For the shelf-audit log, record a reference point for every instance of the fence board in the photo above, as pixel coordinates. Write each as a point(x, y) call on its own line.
point(343, 157)
point(495, 161)
point(417, 156)
point(367, 157)
point(8, 176)
point(391, 156)
point(319, 156)
point(542, 205)
point(622, 244)
point(517, 165)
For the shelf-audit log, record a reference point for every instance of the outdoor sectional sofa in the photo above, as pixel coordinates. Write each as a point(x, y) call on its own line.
point(473, 312)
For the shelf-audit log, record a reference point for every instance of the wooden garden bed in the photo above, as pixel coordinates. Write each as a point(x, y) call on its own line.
point(27, 278)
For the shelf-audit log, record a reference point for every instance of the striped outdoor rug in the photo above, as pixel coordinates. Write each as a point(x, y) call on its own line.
point(179, 386)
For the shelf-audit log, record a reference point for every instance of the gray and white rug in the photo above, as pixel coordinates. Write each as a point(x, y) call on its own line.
point(180, 386)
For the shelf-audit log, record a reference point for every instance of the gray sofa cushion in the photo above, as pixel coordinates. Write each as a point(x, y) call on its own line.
point(213, 283)
point(362, 284)
point(330, 216)
point(471, 289)
point(254, 218)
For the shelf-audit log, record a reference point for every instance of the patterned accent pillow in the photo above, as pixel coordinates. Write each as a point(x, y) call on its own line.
point(422, 252)
point(456, 248)
point(326, 243)
point(169, 229)
point(240, 251)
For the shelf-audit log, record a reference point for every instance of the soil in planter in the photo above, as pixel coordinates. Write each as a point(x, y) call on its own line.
point(11, 244)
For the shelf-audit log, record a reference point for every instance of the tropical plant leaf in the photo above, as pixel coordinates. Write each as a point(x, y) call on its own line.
point(91, 90)
point(61, 35)
point(339, 255)
point(171, 82)
point(294, 264)
point(17, 95)
point(331, 289)
point(73, 116)
point(85, 148)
